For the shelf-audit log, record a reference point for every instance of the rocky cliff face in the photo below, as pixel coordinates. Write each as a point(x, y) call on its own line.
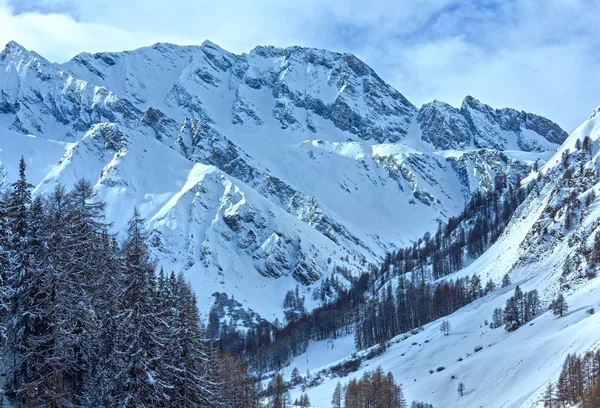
point(478, 125)
point(259, 171)
point(301, 84)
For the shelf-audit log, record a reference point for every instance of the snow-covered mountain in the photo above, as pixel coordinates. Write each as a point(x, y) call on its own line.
point(261, 171)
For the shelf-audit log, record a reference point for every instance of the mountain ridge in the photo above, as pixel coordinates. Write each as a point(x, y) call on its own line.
point(317, 134)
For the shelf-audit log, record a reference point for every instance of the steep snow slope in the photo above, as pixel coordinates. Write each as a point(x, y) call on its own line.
point(257, 171)
point(42, 155)
point(512, 369)
point(183, 200)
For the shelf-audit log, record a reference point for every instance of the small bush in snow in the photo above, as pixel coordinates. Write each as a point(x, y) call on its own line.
point(344, 368)
point(417, 404)
point(478, 348)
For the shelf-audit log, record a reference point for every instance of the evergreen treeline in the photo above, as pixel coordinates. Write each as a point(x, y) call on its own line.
point(465, 236)
point(279, 396)
point(266, 350)
point(578, 383)
point(417, 302)
point(375, 389)
point(520, 309)
point(414, 304)
point(88, 323)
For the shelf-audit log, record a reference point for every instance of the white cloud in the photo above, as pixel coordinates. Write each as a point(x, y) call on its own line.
point(536, 56)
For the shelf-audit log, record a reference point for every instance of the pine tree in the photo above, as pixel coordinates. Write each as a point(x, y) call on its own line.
point(587, 144)
point(461, 389)
point(511, 315)
point(75, 227)
point(497, 318)
point(490, 286)
point(445, 327)
point(375, 389)
point(562, 389)
point(238, 388)
point(337, 399)
point(549, 396)
point(18, 205)
point(532, 305)
point(24, 290)
point(100, 384)
point(567, 265)
point(519, 300)
point(66, 306)
point(303, 401)
point(197, 384)
point(93, 270)
point(593, 398)
point(278, 392)
point(398, 394)
point(4, 267)
point(90, 325)
point(559, 305)
point(505, 280)
point(138, 344)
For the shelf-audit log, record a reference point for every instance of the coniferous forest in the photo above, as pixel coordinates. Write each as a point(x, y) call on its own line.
point(86, 322)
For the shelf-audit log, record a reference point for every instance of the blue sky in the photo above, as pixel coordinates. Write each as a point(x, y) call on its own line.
point(539, 56)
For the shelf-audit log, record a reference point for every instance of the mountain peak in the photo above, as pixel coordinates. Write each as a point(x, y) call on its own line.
point(209, 44)
point(485, 127)
point(13, 47)
point(471, 102)
point(16, 53)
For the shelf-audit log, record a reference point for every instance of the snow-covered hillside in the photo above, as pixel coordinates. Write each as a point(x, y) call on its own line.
point(551, 245)
point(261, 171)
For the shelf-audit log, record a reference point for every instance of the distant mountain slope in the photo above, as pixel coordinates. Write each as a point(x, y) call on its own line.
point(552, 245)
point(260, 171)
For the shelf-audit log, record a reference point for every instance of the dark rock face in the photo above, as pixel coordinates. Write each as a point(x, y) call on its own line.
point(444, 126)
point(364, 104)
point(486, 164)
point(479, 125)
point(56, 98)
